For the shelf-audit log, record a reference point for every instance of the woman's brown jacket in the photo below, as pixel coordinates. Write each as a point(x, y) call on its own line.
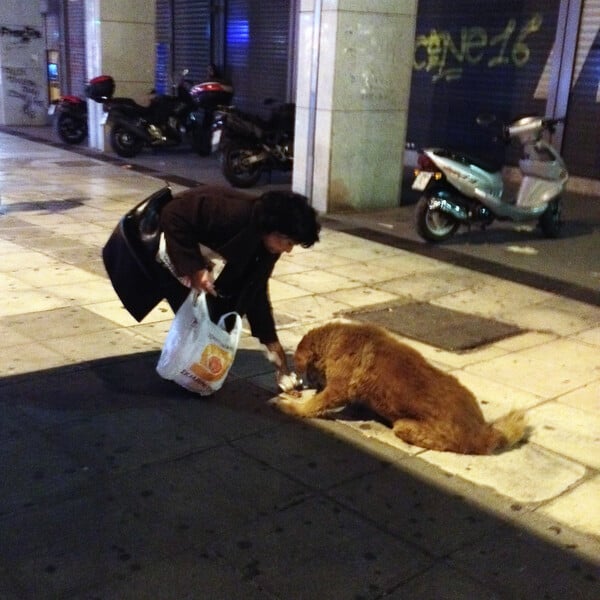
point(221, 219)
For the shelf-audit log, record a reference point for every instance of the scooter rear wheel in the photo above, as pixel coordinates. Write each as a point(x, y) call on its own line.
point(551, 222)
point(70, 129)
point(433, 225)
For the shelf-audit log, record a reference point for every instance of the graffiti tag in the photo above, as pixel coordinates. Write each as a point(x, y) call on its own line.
point(25, 89)
point(25, 34)
point(437, 52)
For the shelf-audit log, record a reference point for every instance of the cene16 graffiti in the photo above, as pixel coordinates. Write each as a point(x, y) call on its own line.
point(439, 54)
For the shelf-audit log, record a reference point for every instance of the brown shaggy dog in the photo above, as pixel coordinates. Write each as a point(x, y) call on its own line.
point(363, 364)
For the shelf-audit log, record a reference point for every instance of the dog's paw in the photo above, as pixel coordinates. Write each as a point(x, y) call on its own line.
point(291, 402)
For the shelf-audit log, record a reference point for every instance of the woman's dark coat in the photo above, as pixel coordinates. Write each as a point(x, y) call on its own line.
point(221, 219)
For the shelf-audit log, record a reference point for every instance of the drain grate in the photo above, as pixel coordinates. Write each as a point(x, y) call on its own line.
point(437, 326)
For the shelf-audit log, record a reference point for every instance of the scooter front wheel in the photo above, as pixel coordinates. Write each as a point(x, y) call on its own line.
point(125, 143)
point(551, 221)
point(238, 168)
point(433, 225)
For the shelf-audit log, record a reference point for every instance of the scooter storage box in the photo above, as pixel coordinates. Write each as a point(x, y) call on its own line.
point(100, 88)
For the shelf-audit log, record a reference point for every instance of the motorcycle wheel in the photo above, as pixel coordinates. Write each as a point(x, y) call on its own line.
point(71, 130)
point(433, 225)
point(236, 171)
point(550, 222)
point(125, 143)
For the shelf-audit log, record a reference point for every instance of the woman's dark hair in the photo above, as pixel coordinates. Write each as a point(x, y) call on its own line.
point(289, 214)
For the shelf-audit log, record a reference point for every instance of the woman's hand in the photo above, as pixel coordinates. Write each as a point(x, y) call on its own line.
point(203, 281)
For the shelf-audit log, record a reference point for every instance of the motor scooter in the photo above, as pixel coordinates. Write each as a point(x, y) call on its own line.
point(458, 189)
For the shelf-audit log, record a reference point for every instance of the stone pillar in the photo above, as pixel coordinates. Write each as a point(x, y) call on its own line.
point(355, 61)
point(119, 42)
point(23, 65)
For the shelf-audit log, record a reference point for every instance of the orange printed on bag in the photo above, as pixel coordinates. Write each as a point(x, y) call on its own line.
point(212, 364)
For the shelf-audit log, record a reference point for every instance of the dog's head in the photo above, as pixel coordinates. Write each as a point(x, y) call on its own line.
point(304, 352)
point(306, 360)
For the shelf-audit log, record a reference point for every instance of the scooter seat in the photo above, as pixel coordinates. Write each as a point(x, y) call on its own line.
point(490, 166)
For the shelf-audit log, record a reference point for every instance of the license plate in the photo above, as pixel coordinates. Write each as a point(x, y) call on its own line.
point(51, 109)
point(216, 139)
point(421, 180)
point(103, 118)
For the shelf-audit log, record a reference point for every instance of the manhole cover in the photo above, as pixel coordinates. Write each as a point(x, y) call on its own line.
point(436, 326)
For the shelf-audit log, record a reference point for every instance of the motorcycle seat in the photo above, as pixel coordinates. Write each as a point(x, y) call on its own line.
point(123, 101)
point(130, 106)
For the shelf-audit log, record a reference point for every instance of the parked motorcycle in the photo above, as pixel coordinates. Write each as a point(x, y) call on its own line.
point(459, 189)
point(251, 145)
point(70, 118)
point(169, 120)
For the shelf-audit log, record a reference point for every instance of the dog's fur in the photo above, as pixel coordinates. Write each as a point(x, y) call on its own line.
point(365, 365)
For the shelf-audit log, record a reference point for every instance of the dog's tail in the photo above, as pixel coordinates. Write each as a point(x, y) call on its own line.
point(508, 431)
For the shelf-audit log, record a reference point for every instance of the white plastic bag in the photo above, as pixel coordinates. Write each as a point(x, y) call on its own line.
point(197, 353)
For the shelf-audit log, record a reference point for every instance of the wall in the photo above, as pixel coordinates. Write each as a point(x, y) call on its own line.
point(120, 42)
point(354, 67)
point(23, 80)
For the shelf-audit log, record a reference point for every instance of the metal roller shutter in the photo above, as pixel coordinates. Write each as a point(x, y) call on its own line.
point(164, 46)
point(75, 49)
point(581, 144)
point(258, 50)
point(183, 40)
point(470, 61)
point(191, 32)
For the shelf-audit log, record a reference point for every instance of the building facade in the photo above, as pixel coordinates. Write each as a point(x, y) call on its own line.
point(519, 57)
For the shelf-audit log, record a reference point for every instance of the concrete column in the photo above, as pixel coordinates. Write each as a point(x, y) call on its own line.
point(355, 61)
point(23, 75)
point(119, 42)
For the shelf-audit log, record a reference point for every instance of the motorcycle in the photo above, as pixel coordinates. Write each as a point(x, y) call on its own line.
point(458, 189)
point(70, 118)
point(169, 120)
point(250, 145)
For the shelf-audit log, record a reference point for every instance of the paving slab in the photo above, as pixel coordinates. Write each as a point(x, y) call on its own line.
point(569, 431)
point(122, 485)
point(520, 566)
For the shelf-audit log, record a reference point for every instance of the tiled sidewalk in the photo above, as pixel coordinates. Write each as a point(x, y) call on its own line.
point(58, 310)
